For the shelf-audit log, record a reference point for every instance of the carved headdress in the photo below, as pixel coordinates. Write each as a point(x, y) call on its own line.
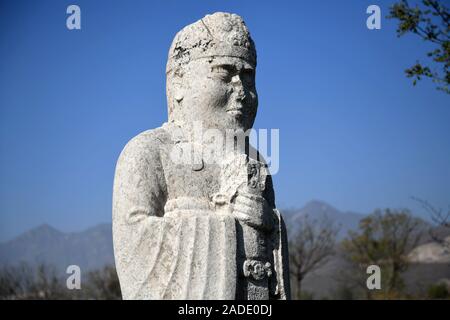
point(218, 34)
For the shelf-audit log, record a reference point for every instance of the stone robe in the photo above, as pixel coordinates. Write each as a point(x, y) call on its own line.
point(172, 242)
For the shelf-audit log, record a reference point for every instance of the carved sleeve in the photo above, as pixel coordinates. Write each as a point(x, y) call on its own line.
point(139, 185)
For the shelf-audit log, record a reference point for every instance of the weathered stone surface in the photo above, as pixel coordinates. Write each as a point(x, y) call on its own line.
point(192, 217)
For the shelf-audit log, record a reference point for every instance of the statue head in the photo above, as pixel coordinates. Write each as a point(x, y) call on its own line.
point(211, 74)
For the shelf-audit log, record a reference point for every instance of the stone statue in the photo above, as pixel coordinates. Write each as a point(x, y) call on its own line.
point(200, 229)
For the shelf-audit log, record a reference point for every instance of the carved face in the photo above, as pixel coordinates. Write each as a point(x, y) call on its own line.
point(218, 91)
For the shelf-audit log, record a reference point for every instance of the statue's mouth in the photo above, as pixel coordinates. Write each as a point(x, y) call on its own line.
point(235, 112)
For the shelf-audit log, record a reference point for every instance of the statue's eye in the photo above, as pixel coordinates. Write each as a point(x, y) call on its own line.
point(223, 73)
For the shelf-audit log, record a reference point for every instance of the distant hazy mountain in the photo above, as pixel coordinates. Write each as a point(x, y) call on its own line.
point(89, 249)
point(346, 220)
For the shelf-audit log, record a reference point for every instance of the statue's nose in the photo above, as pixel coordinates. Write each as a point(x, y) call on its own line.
point(238, 87)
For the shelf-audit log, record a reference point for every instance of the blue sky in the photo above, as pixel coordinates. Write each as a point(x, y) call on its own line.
point(354, 132)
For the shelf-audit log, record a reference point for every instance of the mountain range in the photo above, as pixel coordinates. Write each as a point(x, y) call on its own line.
point(90, 249)
point(344, 221)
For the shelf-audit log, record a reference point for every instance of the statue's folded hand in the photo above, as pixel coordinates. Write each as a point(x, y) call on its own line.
point(253, 210)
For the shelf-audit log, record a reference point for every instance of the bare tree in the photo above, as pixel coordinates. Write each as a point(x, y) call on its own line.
point(439, 218)
point(25, 283)
point(312, 244)
point(103, 284)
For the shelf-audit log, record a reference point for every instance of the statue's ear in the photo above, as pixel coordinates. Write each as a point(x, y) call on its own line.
point(177, 80)
point(175, 92)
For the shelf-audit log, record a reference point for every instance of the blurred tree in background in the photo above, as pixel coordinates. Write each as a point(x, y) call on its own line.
point(438, 291)
point(384, 239)
point(103, 284)
point(431, 22)
point(311, 245)
point(440, 219)
point(41, 283)
point(24, 282)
